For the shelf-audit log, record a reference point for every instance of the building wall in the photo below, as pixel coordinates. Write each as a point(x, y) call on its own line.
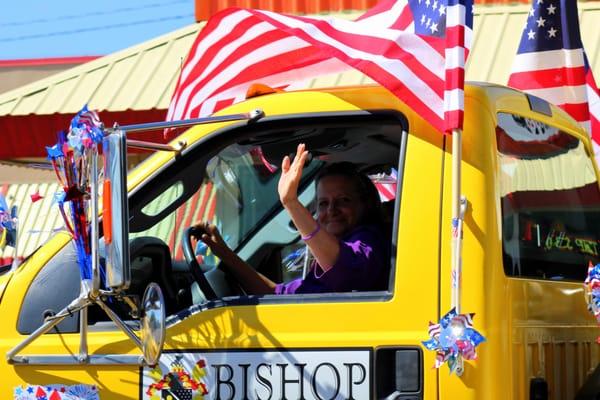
point(205, 8)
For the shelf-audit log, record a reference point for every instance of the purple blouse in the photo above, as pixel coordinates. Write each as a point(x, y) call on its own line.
point(361, 266)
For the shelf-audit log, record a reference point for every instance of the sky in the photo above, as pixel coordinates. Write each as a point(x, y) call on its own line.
point(68, 28)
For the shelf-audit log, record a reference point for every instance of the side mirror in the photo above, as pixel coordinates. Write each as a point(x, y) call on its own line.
point(115, 214)
point(152, 324)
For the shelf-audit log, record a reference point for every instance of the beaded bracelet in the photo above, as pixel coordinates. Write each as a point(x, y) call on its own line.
point(313, 233)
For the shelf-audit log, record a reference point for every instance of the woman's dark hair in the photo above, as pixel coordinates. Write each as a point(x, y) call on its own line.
point(366, 189)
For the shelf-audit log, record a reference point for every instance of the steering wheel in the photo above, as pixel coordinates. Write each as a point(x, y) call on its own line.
point(196, 270)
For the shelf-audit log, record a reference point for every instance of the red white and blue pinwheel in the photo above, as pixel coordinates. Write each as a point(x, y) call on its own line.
point(453, 338)
point(71, 159)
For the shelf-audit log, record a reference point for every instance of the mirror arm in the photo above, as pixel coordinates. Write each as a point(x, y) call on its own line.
point(138, 144)
point(251, 116)
point(135, 311)
point(77, 304)
point(115, 318)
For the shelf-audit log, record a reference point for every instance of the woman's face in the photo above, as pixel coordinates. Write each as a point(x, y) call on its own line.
point(339, 205)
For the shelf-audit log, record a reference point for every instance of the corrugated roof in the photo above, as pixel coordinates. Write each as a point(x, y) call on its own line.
point(143, 77)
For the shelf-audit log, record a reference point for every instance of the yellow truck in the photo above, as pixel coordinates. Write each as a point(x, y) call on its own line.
point(531, 227)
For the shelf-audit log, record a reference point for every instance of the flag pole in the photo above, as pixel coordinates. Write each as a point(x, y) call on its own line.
point(459, 205)
point(456, 220)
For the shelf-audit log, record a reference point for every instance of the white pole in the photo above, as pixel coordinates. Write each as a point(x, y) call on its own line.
point(459, 206)
point(456, 222)
point(95, 286)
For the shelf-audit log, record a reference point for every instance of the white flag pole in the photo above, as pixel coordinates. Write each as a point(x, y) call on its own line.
point(459, 206)
point(456, 218)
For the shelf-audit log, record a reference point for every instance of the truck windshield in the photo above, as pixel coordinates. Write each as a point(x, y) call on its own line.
point(550, 201)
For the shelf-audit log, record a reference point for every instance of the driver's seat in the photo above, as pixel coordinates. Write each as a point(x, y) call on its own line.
point(151, 262)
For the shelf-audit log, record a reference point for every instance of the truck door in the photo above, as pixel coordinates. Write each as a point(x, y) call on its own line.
point(313, 346)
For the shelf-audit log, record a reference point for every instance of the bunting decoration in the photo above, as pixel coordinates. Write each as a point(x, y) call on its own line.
point(71, 159)
point(453, 338)
point(56, 392)
point(592, 290)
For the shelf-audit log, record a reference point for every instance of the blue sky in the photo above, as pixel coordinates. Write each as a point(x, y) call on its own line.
point(67, 28)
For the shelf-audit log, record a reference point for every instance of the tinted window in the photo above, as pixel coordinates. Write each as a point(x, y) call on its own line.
point(53, 289)
point(550, 201)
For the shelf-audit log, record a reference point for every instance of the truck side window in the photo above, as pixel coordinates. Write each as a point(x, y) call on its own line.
point(47, 295)
point(550, 201)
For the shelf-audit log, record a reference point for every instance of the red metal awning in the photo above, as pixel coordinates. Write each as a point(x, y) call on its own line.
point(28, 135)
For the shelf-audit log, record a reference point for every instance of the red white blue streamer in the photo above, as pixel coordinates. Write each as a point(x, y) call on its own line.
point(71, 159)
point(592, 288)
point(453, 339)
point(8, 224)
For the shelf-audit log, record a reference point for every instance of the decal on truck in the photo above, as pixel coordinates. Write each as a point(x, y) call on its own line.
point(233, 375)
point(56, 392)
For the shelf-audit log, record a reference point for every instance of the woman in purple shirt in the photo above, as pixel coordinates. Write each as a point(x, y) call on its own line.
point(347, 242)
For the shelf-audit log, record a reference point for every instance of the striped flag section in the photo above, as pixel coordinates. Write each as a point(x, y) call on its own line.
point(551, 64)
point(415, 48)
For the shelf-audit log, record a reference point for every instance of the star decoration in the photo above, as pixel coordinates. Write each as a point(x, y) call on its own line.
point(531, 35)
point(540, 22)
point(552, 32)
point(551, 9)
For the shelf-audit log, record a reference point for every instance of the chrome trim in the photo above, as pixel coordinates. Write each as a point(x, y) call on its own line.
point(95, 286)
point(154, 126)
point(139, 144)
point(83, 321)
point(104, 359)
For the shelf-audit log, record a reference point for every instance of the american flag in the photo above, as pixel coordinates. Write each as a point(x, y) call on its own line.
point(415, 48)
point(386, 184)
point(551, 63)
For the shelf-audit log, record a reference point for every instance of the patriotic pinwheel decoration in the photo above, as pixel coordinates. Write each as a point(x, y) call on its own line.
point(592, 289)
point(453, 338)
point(8, 224)
point(71, 159)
